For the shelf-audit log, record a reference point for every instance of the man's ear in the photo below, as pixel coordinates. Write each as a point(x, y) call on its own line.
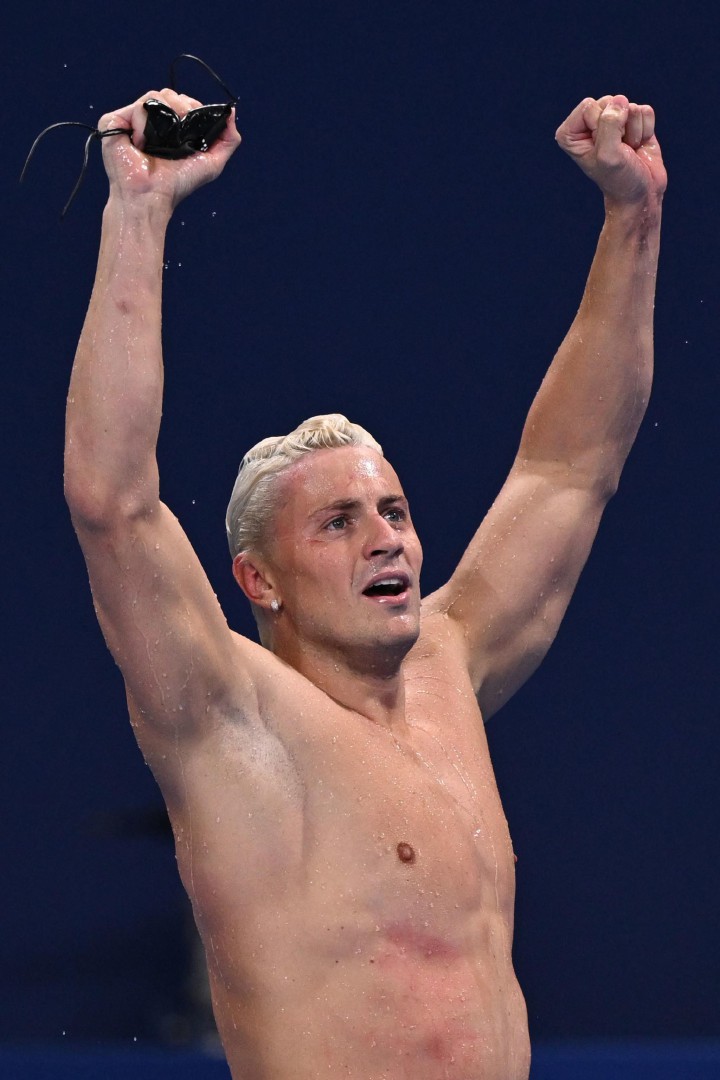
point(255, 579)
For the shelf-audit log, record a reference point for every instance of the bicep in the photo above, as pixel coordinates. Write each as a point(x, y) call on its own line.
point(514, 582)
point(159, 615)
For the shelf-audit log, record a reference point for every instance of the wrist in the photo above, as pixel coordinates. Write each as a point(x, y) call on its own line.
point(151, 210)
point(642, 216)
point(132, 241)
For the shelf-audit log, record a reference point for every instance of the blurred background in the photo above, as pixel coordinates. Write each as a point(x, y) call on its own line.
point(398, 239)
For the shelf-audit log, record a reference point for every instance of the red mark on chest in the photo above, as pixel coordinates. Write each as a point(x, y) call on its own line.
point(406, 853)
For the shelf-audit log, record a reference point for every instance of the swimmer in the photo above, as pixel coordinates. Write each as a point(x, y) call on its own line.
point(337, 823)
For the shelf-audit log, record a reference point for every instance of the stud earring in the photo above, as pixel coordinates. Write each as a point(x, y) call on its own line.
point(275, 605)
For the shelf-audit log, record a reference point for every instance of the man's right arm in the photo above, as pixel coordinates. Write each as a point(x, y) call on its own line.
point(157, 610)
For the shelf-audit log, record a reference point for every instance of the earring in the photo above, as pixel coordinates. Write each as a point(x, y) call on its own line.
point(275, 605)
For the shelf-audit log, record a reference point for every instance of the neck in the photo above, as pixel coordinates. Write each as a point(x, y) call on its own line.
point(369, 681)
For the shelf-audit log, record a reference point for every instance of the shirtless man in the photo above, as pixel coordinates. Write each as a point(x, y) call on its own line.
point(337, 822)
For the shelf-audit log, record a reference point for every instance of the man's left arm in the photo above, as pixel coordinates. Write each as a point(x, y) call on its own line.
point(514, 582)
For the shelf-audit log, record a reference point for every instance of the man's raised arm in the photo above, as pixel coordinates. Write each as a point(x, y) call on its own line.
point(155, 605)
point(513, 584)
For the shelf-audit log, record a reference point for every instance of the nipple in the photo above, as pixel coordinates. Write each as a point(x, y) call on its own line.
point(405, 852)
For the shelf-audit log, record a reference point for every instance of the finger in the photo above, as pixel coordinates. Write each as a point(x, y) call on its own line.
point(597, 111)
point(648, 122)
point(130, 118)
point(610, 130)
point(231, 132)
point(633, 127)
point(575, 125)
point(227, 142)
point(592, 115)
point(180, 103)
point(119, 118)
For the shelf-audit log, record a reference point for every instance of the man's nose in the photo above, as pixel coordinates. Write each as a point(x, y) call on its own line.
point(382, 539)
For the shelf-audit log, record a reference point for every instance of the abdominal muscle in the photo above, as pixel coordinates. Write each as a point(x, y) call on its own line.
point(385, 1012)
point(365, 979)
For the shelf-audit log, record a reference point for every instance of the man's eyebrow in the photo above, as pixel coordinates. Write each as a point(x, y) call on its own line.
point(339, 504)
point(351, 505)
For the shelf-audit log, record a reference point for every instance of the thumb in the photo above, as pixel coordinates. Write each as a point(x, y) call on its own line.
point(226, 143)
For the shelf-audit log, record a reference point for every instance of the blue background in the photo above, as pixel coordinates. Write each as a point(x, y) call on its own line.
point(398, 239)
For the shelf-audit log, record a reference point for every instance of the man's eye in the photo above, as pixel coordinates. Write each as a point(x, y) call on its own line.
point(395, 515)
point(336, 524)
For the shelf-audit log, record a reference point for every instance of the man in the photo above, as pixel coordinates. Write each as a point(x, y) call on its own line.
point(337, 823)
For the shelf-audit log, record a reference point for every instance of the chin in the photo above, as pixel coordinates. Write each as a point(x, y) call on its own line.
point(395, 642)
point(370, 644)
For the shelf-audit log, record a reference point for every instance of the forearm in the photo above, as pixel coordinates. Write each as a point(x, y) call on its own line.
point(115, 398)
point(592, 400)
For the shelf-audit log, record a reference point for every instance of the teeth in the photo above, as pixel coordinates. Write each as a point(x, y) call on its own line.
point(388, 586)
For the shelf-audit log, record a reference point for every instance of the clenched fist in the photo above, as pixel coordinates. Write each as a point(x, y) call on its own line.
point(133, 174)
point(613, 141)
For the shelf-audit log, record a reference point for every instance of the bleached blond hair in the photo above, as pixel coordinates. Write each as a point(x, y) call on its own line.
point(254, 496)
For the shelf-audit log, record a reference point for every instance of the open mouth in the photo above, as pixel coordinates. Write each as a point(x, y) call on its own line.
point(390, 586)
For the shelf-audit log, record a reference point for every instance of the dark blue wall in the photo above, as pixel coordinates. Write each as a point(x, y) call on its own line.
point(400, 240)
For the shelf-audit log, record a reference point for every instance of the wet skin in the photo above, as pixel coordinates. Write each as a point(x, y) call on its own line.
point(338, 825)
point(342, 838)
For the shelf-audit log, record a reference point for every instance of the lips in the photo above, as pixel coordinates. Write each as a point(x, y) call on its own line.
point(388, 586)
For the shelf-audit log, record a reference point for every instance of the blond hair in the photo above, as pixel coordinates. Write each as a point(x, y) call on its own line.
point(254, 498)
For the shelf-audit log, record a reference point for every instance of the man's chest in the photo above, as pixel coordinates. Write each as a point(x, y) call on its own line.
point(417, 816)
point(357, 809)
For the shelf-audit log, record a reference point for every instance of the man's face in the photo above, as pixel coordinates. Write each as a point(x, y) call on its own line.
point(345, 554)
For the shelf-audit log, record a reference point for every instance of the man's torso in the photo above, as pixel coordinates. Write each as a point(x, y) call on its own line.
point(354, 889)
